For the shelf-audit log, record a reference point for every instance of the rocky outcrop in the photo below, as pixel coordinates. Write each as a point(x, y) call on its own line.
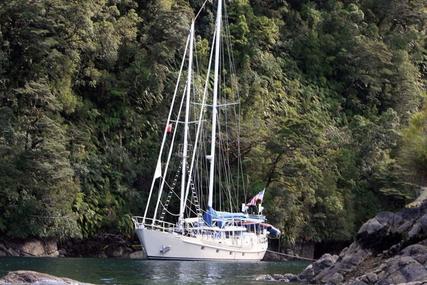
point(31, 247)
point(102, 245)
point(390, 248)
point(32, 277)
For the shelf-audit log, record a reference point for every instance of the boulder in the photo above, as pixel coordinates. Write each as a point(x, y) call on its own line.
point(117, 251)
point(51, 248)
point(419, 228)
point(32, 277)
point(401, 269)
point(32, 247)
point(291, 277)
point(327, 260)
point(137, 255)
point(417, 252)
point(264, 277)
point(381, 232)
point(336, 279)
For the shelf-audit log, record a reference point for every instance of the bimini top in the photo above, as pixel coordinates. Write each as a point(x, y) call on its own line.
point(211, 214)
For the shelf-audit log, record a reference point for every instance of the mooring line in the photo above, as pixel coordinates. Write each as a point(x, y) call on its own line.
point(292, 256)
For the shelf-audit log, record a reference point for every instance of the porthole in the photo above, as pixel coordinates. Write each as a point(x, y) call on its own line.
point(203, 247)
point(217, 250)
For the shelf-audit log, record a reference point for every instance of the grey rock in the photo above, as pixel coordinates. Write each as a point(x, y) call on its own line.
point(291, 277)
point(278, 276)
point(117, 251)
point(32, 277)
point(325, 261)
point(404, 227)
point(33, 247)
point(370, 227)
point(335, 279)
point(416, 251)
point(352, 257)
point(264, 277)
point(308, 273)
point(357, 282)
point(62, 252)
point(369, 278)
point(402, 269)
point(415, 231)
point(137, 255)
point(51, 247)
point(419, 228)
point(423, 222)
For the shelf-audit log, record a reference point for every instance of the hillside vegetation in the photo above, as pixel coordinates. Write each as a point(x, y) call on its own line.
point(332, 109)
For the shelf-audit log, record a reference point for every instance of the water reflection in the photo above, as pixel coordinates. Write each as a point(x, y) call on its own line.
point(120, 271)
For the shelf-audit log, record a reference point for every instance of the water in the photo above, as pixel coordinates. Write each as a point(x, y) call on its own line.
point(127, 271)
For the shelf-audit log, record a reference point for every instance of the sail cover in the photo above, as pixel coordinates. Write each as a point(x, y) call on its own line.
point(211, 214)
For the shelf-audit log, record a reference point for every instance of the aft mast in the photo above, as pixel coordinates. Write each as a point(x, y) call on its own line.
point(187, 116)
point(215, 104)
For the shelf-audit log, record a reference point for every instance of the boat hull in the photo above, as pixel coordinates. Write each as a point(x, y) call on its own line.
point(172, 246)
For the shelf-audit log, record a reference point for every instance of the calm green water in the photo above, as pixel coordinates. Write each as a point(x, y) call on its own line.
point(121, 271)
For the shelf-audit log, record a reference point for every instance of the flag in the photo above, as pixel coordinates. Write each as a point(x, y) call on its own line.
point(256, 198)
point(158, 172)
point(169, 128)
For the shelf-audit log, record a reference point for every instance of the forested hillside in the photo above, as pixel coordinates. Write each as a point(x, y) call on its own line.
point(332, 95)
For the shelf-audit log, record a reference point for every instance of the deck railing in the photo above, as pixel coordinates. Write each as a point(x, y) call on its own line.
point(139, 222)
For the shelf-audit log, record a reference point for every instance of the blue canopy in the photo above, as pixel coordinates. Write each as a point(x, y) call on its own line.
point(212, 214)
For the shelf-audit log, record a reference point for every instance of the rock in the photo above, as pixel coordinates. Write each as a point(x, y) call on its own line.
point(291, 277)
point(357, 282)
point(369, 278)
point(390, 248)
point(423, 222)
point(117, 251)
point(349, 259)
point(51, 248)
point(416, 251)
point(381, 232)
point(277, 276)
point(325, 261)
point(137, 254)
point(62, 253)
point(308, 274)
point(336, 279)
point(33, 247)
point(419, 228)
point(264, 277)
point(402, 269)
point(100, 246)
point(32, 277)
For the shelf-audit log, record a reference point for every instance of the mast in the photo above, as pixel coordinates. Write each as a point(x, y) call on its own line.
point(187, 116)
point(215, 103)
point(158, 171)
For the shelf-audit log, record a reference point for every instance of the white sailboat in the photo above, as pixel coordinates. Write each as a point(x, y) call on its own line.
point(201, 162)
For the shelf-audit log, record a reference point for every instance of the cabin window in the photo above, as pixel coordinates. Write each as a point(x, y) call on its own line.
point(217, 250)
point(203, 247)
point(231, 252)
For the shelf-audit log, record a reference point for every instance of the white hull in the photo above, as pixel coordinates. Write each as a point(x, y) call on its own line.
point(166, 245)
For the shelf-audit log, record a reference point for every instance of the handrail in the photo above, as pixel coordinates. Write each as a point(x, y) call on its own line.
point(138, 222)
